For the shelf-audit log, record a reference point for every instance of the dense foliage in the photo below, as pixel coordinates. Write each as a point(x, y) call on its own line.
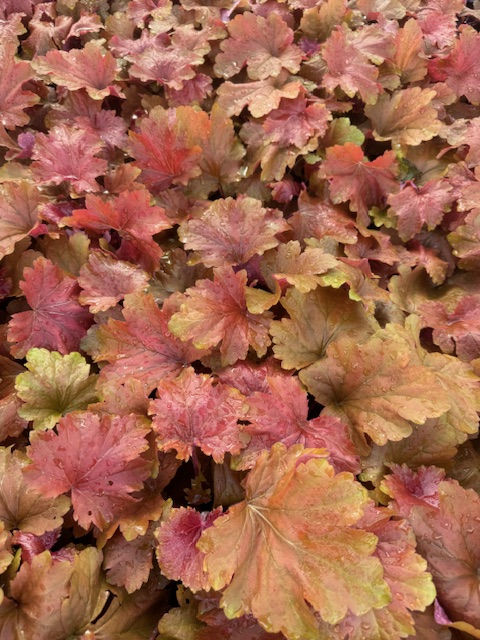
point(240, 283)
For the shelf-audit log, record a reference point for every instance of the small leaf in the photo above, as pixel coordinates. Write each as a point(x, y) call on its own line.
point(53, 386)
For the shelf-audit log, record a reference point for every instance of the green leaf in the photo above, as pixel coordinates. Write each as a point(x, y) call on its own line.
point(53, 386)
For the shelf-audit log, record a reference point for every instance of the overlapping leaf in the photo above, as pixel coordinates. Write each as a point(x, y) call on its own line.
point(140, 347)
point(217, 311)
point(280, 415)
point(56, 320)
point(91, 68)
point(264, 45)
point(53, 386)
point(231, 231)
point(363, 183)
point(177, 555)
point(316, 319)
point(313, 551)
point(70, 154)
point(21, 506)
point(193, 412)
point(95, 459)
point(378, 387)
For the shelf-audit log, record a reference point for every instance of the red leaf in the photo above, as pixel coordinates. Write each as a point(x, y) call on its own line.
point(461, 69)
point(448, 538)
point(412, 488)
point(191, 412)
point(177, 554)
point(295, 123)
point(280, 415)
point(91, 68)
point(81, 111)
point(349, 69)
point(56, 321)
point(352, 177)
point(105, 281)
point(265, 46)
point(13, 99)
point(95, 458)
point(216, 312)
point(133, 216)
point(18, 214)
point(142, 347)
point(456, 331)
point(231, 231)
point(318, 217)
point(414, 207)
point(68, 153)
point(167, 148)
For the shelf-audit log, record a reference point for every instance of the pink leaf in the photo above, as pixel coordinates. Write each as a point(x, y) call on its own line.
point(105, 281)
point(280, 415)
point(193, 412)
point(415, 207)
point(231, 231)
point(177, 554)
point(216, 312)
point(460, 70)
point(349, 69)
point(95, 458)
point(13, 99)
point(352, 177)
point(411, 488)
point(68, 153)
point(56, 321)
point(91, 68)
point(457, 331)
point(264, 45)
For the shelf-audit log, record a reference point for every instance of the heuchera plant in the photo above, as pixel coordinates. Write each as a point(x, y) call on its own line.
point(240, 354)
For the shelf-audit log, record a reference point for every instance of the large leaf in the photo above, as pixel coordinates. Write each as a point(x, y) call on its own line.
point(56, 320)
point(96, 459)
point(264, 45)
point(141, 347)
point(218, 312)
point(405, 117)
point(91, 68)
point(316, 319)
point(378, 387)
point(231, 231)
point(193, 412)
point(295, 529)
point(70, 154)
